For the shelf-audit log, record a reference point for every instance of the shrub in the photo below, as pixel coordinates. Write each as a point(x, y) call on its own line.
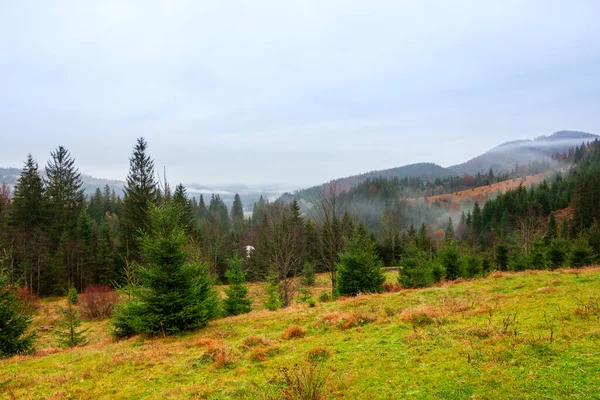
point(293, 332)
point(98, 302)
point(28, 298)
point(14, 322)
point(359, 269)
point(325, 297)
point(311, 302)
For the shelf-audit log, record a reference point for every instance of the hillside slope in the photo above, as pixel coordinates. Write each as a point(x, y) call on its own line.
point(512, 335)
point(505, 156)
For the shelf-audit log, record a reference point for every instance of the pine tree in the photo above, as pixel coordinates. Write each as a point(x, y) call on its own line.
point(13, 322)
point(65, 199)
point(502, 257)
point(449, 233)
point(28, 209)
point(272, 301)
point(236, 301)
point(552, 231)
point(180, 199)
point(202, 210)
point(140, 191)
point(28, 222)
point(68, 331)
point(359, 269)
point(451, 262)
point(174, 296)
point(237, 214)
point(557, 253)
point(64, 194)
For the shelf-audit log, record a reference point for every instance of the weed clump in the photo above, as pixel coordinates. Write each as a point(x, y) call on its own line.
point(305, 381)
point(318, 354)
point(293, 332)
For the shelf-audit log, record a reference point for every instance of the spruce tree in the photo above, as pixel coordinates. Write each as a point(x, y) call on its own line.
point(65, 200)
point(13, 321)
point(237, 214)
point(450, 260)
point(359, 269)
point(174, 295)
point(140, 191)
point(502, 257)
point(236, 301)
point(272, 301)
point(68, 332)
point(449, 233)
point(28, 208)
point(181, 200)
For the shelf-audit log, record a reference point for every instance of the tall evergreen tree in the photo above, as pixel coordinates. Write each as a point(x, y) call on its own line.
point(237, 214)
point(65, 200)
point(140, 191)
point(449, 233)
point(181, 200)
point(28, 209)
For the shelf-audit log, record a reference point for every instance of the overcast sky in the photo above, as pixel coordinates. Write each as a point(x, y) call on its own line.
point(290, 92)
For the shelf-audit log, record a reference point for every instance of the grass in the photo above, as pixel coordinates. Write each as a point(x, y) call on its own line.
point(527, 335)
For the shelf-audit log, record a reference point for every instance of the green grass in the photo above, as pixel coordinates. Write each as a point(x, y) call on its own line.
point(529, 335)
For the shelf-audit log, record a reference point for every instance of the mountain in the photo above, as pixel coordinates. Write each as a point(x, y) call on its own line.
point(425, 171)
point(501, 159)
point(505, 156)
point(10, 176)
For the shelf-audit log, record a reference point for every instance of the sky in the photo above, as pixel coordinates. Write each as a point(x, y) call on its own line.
point(293, 93)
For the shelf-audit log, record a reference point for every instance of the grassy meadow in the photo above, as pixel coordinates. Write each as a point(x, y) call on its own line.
point(527, 335)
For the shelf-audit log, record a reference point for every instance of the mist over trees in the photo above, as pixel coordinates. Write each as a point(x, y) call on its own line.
point(54, 238)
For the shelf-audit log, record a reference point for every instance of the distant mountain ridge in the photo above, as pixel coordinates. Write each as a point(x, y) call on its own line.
point(501, 159)
point(505, 156)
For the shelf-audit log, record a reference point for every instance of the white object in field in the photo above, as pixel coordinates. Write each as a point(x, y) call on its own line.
point(249, 250)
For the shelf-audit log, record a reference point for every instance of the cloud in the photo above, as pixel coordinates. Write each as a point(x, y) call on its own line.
point(295, 91)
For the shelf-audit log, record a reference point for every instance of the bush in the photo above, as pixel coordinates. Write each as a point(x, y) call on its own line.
point(14, 322)
point(325, 297)
point(98, 302)
point(28, 298)
point(359, 269)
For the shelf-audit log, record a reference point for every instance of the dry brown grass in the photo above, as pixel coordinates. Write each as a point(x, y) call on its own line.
point(347, 320)
point(293, 332)
point(254, 341)
point(421, 316)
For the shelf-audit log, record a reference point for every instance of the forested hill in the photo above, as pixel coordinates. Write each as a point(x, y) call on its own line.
point(10, 176)
point(502, 160)
point(508, 154)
